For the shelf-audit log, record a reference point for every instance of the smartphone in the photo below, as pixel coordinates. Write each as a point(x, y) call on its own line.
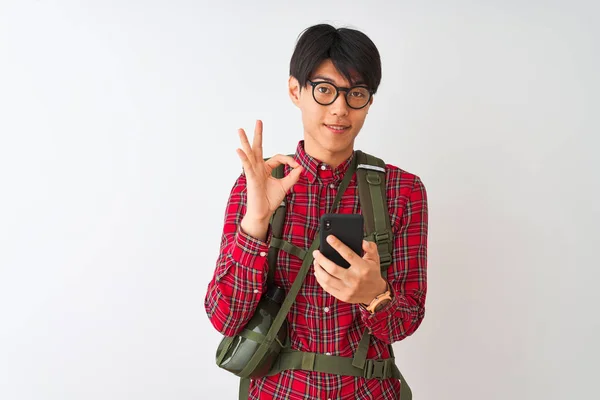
point(346, 227)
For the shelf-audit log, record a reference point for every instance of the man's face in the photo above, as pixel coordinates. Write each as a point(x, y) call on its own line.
point(329, 131)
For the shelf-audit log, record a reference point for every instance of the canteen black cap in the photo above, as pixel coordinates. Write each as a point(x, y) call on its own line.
point(276, 294)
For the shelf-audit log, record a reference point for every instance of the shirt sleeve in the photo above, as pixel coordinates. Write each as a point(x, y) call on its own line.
point(407, 275)
point(241, 272)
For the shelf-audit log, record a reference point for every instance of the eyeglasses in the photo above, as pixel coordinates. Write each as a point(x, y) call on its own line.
point(326, 93)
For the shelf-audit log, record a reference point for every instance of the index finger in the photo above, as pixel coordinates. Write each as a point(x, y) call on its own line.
point(281, 159)
point(346, 252)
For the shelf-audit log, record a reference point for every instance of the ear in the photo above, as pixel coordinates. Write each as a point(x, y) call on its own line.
point(294, 90)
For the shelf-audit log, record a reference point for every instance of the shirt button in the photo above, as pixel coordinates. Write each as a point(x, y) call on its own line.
point(326, 309)
point(323, 167)
point(332, 186)
point(262, 254)
point(255, 290)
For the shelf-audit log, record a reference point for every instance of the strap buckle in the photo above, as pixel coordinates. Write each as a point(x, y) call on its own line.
point(373, 178)
point(383, 245)
point(376, 369)
point(385, 260)
point(381, 237)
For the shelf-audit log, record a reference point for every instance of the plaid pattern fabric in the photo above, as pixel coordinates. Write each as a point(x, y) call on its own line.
point(318, 322)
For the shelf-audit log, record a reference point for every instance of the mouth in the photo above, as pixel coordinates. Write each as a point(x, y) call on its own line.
point(337, 128)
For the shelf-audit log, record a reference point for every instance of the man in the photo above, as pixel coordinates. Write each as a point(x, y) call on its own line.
point(333, 76)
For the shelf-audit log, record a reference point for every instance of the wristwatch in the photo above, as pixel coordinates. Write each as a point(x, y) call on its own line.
point(380, 301)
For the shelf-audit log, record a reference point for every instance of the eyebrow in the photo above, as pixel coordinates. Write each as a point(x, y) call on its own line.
point(326, 79)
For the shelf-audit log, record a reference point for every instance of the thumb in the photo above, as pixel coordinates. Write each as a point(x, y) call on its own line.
point(291, 179)
point(370, 249)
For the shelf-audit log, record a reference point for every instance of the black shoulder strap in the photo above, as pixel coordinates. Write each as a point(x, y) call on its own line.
point(372, 194)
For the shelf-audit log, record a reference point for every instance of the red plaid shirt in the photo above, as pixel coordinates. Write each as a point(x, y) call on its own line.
point(318, 322)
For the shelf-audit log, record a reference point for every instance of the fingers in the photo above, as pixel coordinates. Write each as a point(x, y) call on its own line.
point(257, 140)
point(326, 280)
point(246, 165)
point(288, 181)
point(252, 157)
point(346, 252)
point(332, 269)
point(281, 159)
point(291, 179)
point(370, 249)
point(254, 152)
point(246, 145)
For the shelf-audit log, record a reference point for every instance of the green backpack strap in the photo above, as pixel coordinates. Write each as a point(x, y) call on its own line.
point(372, 194)
point(277, 220)
point(244, 390)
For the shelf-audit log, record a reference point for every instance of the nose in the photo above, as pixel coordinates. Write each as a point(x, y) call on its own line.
point(339, 107)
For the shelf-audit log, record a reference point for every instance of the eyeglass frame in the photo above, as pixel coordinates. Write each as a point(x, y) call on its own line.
point(337, 93)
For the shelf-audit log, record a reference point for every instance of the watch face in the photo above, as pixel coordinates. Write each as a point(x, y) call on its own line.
point(382, 304)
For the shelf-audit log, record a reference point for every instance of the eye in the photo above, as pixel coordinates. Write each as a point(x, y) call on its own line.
point(324, 89)
point(358, 93)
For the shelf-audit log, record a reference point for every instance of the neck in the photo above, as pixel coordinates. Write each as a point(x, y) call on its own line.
point(331, 158)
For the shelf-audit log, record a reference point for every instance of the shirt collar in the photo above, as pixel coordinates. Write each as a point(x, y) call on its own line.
point(315, 169)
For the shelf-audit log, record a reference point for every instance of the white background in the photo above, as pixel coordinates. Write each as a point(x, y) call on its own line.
point(118, 133)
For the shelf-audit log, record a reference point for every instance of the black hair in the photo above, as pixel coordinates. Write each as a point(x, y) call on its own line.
point(351, 51)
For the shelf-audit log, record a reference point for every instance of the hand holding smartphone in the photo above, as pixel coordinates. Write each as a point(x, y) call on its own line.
point(346, 227)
